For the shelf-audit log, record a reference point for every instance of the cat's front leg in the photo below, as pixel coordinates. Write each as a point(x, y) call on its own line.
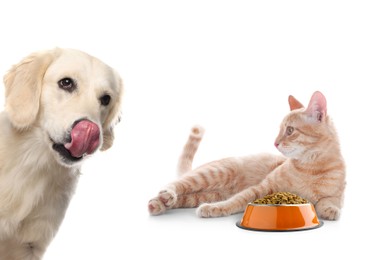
point(166, 199)
point(218, 209)
point(328, 208)
point(234, 205)
point(238, 202)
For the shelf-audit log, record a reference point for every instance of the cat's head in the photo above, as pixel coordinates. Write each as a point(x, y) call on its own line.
point(304, 130)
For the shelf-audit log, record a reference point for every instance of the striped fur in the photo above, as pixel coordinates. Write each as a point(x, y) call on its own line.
point(312, 167)
point(189, 150)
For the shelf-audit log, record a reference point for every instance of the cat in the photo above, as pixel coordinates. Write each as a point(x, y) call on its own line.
point(311, 166)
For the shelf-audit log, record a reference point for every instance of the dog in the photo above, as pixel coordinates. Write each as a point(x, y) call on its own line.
point(61, 106)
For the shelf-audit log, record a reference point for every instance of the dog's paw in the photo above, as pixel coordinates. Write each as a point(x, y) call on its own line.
point(165, 200)
point(211, 210)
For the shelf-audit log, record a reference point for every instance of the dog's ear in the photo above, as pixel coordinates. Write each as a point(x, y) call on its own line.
point(108, 139)
point(23, 84)
point(114, 116)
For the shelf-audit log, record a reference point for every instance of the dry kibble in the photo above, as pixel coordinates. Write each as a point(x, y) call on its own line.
point(281, 198)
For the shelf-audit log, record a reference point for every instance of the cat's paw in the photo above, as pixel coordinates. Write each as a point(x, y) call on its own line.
point(168, 197)
point(327, 208)
point(165, 200)
point(329, 213)
point(156, 207)
point(211, 210)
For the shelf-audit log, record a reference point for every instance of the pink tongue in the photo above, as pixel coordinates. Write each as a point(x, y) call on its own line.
point(84, 139)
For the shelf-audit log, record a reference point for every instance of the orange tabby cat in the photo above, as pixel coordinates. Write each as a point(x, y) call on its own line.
point(312, 168)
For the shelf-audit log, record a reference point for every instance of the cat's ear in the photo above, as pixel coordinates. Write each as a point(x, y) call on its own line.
point(317, 108)
point(294, 103)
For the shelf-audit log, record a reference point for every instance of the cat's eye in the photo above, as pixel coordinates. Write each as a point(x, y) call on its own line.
point(289, 130)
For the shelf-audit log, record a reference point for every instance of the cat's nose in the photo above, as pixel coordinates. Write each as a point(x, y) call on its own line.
point(276, 144)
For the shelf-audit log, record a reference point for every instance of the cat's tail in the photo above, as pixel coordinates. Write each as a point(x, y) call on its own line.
point(190, 148)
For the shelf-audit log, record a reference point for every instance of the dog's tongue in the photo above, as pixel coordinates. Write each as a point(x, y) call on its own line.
point(84, 139)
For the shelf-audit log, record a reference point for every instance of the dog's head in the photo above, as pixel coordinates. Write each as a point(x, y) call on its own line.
point(72, 97)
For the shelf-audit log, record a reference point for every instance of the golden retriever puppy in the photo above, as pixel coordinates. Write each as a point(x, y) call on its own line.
point(60, 107)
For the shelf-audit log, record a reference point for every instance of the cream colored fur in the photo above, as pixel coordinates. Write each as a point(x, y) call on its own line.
point(36, 184)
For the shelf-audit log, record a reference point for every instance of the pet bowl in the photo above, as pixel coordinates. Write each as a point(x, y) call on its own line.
point(279, 217)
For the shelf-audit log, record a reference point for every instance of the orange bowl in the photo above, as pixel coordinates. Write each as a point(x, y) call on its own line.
point(282, 217)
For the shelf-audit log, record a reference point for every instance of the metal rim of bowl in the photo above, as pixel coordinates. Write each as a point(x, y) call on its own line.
point(321, 223)
point(278, 205)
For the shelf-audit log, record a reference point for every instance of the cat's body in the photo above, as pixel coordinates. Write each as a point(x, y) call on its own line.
point(312, 168)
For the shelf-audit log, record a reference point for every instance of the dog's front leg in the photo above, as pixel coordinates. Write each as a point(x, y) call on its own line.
point(11, 249)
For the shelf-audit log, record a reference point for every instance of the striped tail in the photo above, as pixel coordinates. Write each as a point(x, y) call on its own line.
point(186, 158)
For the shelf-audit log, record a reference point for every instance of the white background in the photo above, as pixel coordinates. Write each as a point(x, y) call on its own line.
point(229, 66)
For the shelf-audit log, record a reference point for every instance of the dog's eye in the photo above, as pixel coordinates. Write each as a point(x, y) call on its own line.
point(105, 100)
point(67, 84)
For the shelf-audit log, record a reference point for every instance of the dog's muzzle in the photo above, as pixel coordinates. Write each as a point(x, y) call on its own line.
point(85, 138)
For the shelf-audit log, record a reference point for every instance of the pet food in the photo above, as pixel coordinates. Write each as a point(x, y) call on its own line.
point(281, 198)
